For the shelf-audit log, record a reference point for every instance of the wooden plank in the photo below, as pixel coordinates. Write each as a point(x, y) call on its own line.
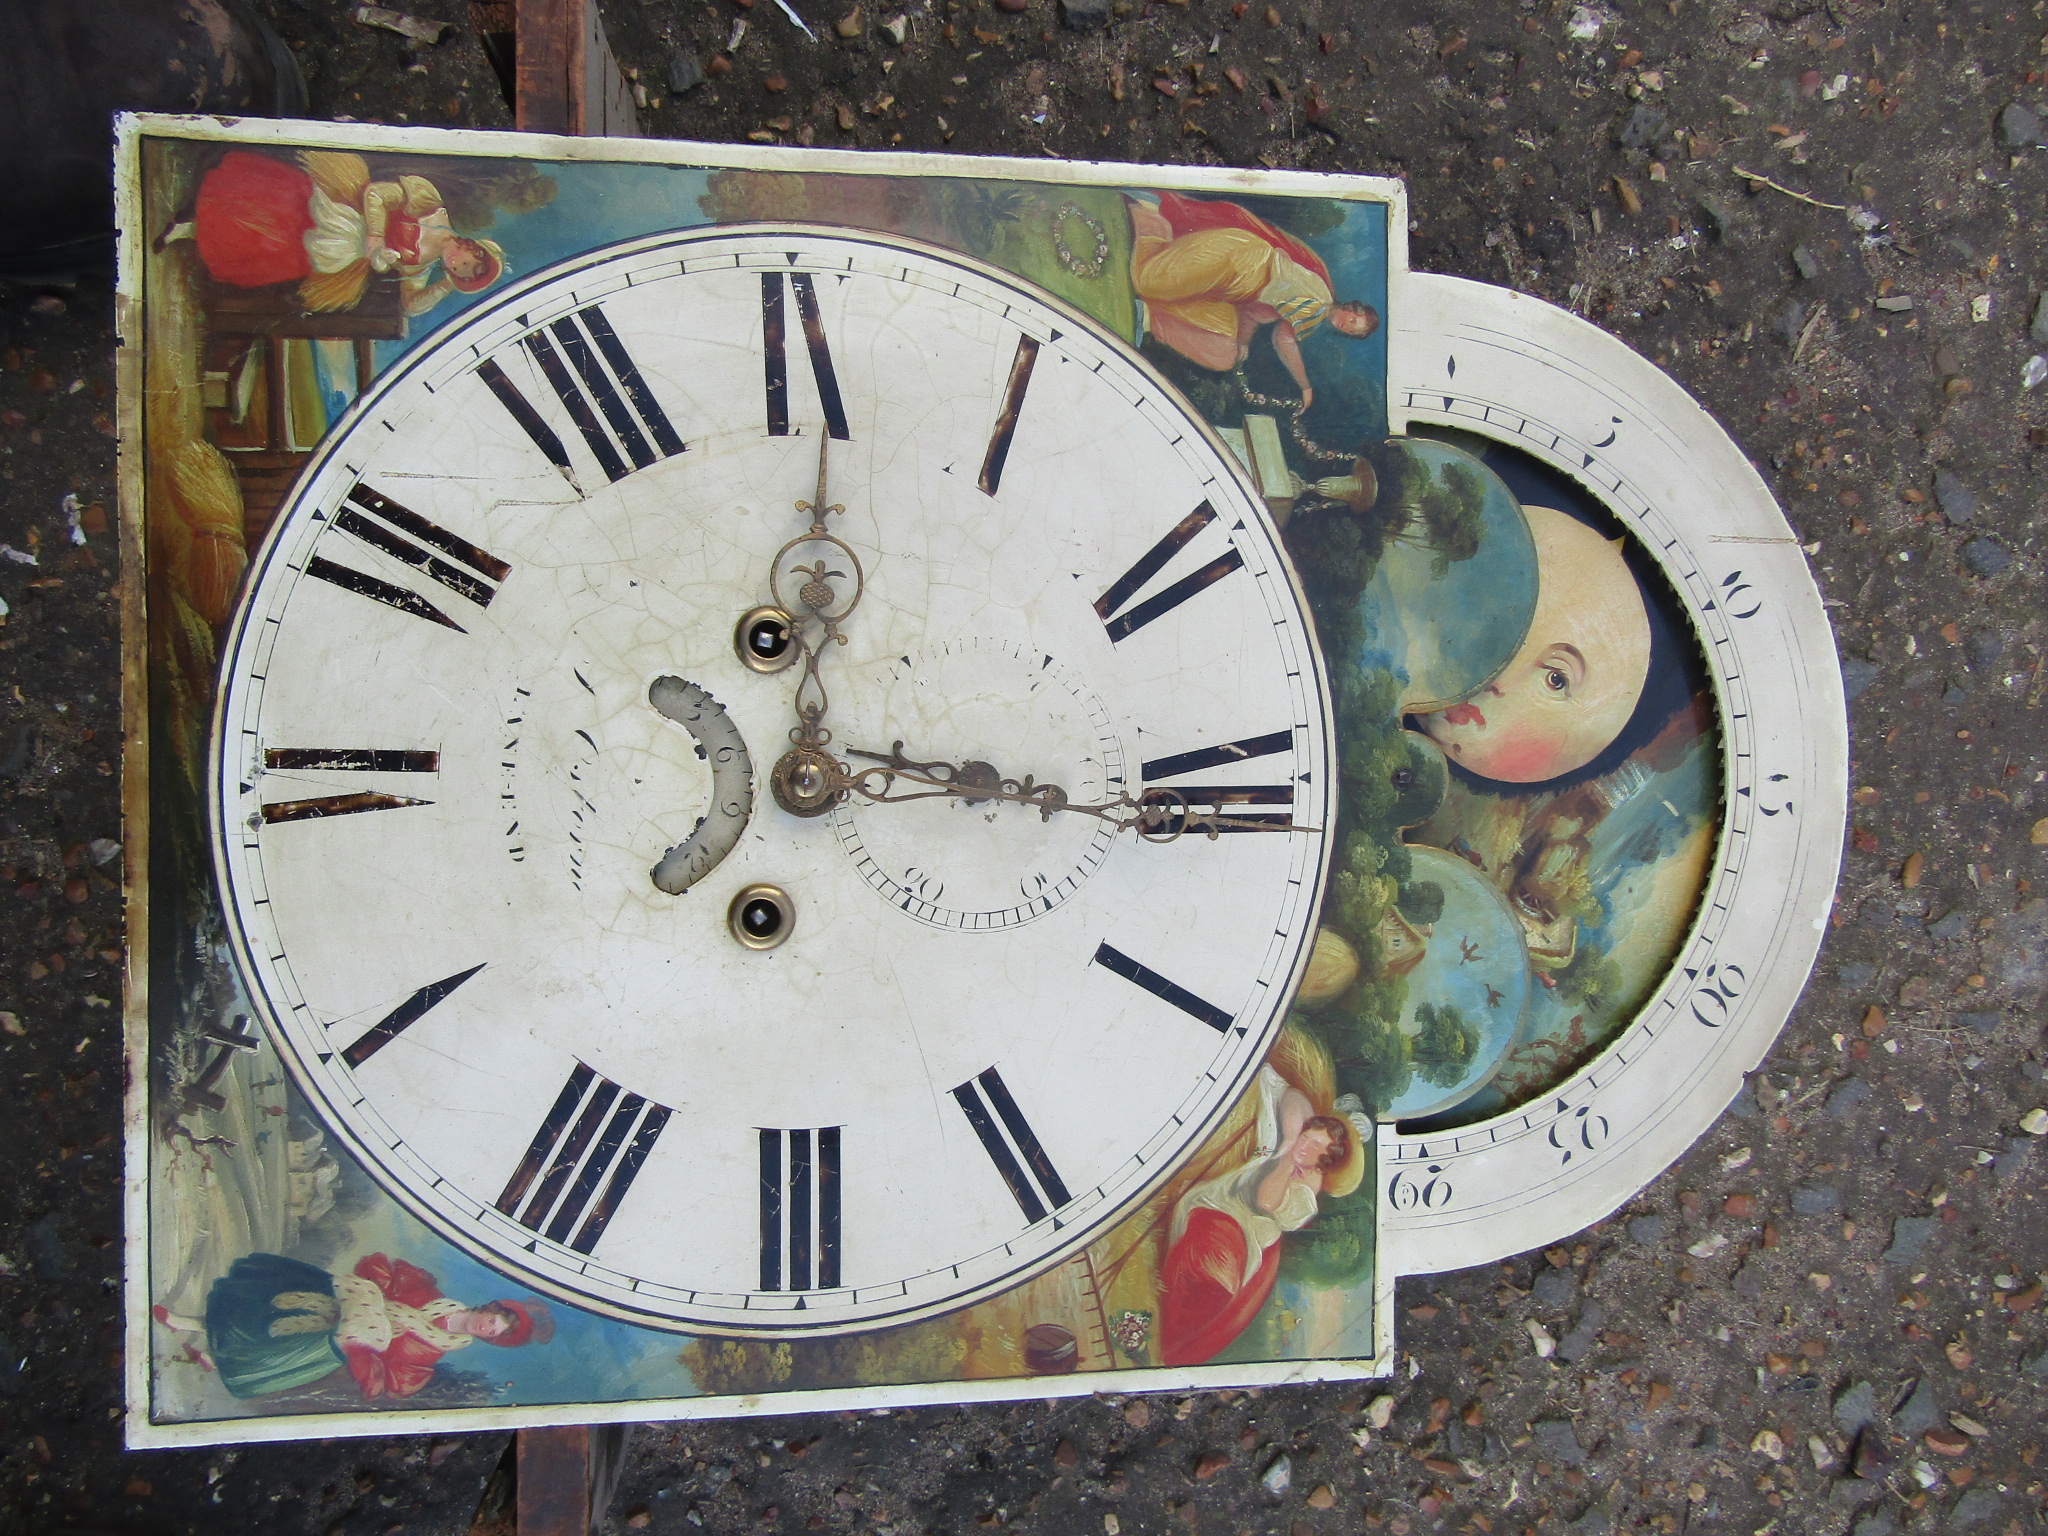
point(554, 1481)
point(567, 78)
point(548, 66)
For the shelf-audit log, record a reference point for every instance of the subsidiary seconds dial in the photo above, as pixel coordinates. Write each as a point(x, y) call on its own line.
point(505, 596)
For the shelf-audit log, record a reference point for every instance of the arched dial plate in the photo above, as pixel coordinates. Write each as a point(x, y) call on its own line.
point(1524, 373)
point(446, 914)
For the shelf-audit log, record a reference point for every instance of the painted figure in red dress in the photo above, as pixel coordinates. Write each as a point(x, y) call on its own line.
point(320, 221)
point(273, 1323)
point(1223, 1254)
point(1213, 274)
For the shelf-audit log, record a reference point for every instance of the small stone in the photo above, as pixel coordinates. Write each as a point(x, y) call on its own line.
point(852, 24)
point(1855, 1407)
point(1982, 1023)
point(1380, 1410)
point(684, 74)
point(1845, 1098)
point(896, 29)
point(1920, 1411)
point(1209, 1465)
point(1857, 675)
point(1279, 1476)
point(2019, 128)
point(1647, 1229)
point(1816, 1199)
point(1946, 1442)
point(2037, 328)
point(1870, 1459)
point(1947, 927)
point(1807, 264)
point(1064, 1454)
point(1968, 1425)
point(1138, 1413)
point(1323, 1496)
point(1111, 1526)
point(1558, 1441)
point(1768, 1444)
point(1642, 128)
point(1723, 221)
point(1790, 322)
point(1554, 1287)
point(1896, 303)
point(2034, 372)
point(1957, 502)
point(1986, 557)
point(1740, 1206)
point(1878, 1523)
point(1972, 1510)
point(2035, 1122)
point(1541, 1337)
point(1983, 649)
point(1578, 1344)
point(1598, 1520)
point(1084, 15)
point(1909, 1238)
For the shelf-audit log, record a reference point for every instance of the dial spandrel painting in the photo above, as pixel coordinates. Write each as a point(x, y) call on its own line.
point(766, 780)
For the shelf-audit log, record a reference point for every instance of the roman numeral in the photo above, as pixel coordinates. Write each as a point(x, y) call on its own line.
point(1224, 754)
point(405, 536)
point(1122, 625)
point(775, 362)
point(334, 805)
point(1222, 800)
point(1018, 1156)
point(344, 760)
point(1123, 965)
point(582, 1160)
point(800, 1209)
point(602, 389)
point(403, 1017)
point(1006, 419)
point(352, 760)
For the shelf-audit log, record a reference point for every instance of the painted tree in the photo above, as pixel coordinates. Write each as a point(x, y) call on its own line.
point(1443, 1045)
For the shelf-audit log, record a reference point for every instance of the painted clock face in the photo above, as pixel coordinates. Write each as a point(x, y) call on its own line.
point(487, 684)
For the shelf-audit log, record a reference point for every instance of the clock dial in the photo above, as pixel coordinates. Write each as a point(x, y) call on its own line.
point(487, 762)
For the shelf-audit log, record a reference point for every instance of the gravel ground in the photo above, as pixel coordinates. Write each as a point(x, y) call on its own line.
point(1826, 1318)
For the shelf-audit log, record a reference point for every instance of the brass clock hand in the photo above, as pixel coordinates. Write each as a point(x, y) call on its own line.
point(1159, 815)
point(808, 780)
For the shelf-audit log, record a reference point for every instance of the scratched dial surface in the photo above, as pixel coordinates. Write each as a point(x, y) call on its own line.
point(441, 785)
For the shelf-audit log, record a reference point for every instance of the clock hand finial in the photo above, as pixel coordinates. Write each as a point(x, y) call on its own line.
point(808, 780)
point(1158, 815)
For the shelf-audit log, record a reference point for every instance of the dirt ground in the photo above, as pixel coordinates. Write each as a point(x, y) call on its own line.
point(1825, 1319)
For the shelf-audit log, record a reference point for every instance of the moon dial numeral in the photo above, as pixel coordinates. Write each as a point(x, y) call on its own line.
point(566, 1185)
point(1019, 1158)
point(800, 1209)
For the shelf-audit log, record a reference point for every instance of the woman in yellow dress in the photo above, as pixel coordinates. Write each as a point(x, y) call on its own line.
point(1212, 275)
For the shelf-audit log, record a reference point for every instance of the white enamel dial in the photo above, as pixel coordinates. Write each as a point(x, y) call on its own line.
point(443, 787)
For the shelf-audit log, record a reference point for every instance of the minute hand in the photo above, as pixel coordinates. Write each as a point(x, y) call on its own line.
point(1159, 815)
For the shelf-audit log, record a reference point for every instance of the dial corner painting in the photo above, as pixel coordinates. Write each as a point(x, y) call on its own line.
point(771, 782)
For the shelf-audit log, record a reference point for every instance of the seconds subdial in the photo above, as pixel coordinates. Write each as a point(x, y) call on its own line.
point(981, 865)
